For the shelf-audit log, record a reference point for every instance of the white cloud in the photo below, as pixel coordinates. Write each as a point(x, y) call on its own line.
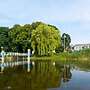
point(72, 16)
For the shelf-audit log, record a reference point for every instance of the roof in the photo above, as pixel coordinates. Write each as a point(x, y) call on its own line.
point(81, 45)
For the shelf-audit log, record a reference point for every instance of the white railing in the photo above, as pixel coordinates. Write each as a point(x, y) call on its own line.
point(16, 53)
point(17, 62)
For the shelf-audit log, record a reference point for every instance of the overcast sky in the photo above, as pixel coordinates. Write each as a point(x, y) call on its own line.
point(70, 16)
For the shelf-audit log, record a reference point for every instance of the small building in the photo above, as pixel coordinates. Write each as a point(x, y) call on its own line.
point(78, 47)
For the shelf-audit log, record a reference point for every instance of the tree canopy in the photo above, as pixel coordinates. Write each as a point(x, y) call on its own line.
point(43, 39)
point(4, 37)
point(40, 37)
point(65, 40)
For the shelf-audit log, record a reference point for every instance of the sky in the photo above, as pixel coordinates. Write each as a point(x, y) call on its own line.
point(70, 16)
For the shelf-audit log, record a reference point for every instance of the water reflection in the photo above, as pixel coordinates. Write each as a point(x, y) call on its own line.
point(43, 75)
point(66, 73)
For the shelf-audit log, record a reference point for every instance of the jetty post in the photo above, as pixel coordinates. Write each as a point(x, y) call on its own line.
point(2, 58)
point(28, 62)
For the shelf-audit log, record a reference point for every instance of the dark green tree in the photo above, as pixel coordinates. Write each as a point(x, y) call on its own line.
point(20, 37)
point(4, 37)
point(65, 41)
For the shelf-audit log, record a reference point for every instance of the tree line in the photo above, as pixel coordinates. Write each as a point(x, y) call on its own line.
point(41, 38)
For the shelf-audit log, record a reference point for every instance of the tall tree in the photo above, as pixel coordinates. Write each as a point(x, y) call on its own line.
point(40, 37)
point(45, 39)
point(4, 37)
point(20, 37)
point(65, 40)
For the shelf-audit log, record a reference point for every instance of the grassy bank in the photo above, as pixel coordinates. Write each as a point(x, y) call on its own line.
point(76, 55)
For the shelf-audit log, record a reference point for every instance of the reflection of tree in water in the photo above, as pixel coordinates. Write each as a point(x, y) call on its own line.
point(43, 75)
point(66, 74)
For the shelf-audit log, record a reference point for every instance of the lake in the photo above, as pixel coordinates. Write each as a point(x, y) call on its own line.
point(47, 75)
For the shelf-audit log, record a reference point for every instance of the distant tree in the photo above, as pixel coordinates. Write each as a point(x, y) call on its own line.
point(65, 41)
point(4, 37)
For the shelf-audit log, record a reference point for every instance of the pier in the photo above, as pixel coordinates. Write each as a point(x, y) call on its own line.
point(11, 63)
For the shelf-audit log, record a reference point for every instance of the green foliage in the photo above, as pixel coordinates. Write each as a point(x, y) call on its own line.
point(76, 55)
point(59, 49)
point(45, 39)
point(65, 40)
point(20, 37)
point(42, 38)
point(85, 52)
point(4, 37)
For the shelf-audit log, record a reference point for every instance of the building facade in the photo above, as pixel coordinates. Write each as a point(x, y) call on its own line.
point(78, 47)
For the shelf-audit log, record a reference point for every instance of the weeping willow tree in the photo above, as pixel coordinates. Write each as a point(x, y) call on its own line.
point(45, 39)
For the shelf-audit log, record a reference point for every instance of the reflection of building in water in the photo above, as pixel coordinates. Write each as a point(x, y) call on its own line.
point(66, 73)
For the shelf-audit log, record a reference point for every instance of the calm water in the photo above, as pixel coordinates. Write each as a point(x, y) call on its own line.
point(47, 75)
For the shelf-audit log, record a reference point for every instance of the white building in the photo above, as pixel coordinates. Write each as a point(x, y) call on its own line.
point(78, 47)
